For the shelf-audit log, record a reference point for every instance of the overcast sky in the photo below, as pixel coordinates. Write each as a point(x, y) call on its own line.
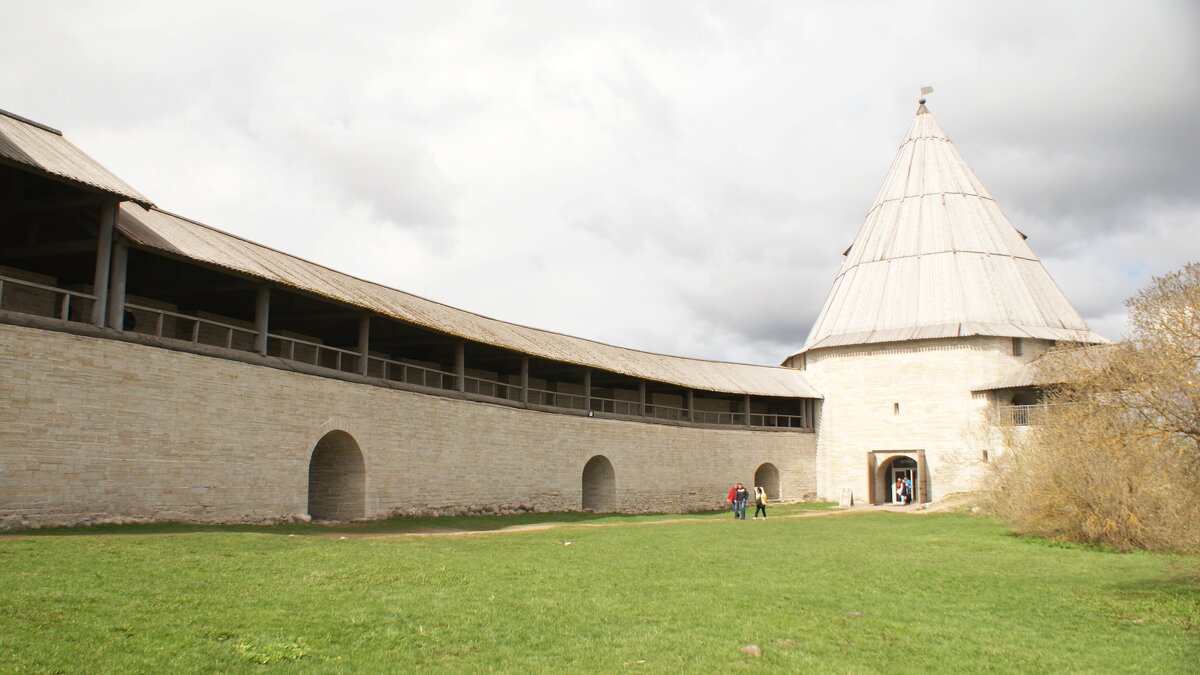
point(678, 177)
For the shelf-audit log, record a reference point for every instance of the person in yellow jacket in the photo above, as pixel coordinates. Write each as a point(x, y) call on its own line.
point(760, 503)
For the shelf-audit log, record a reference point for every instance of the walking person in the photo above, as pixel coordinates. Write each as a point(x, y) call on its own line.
point(908, 493)
point(740, 495)
point(898, 490)
point(731, 499)
point(760, 503)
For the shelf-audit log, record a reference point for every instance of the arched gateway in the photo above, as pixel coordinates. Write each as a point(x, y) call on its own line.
point(599, 485)
point(767, 477)
point(337, 479)
point(901, 467)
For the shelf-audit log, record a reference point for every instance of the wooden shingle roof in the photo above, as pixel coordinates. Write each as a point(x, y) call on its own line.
point(937, 258)
point(179, 236)
point(31, 145)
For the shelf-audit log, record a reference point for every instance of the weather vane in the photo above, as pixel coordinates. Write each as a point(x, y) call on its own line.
point(924, 91)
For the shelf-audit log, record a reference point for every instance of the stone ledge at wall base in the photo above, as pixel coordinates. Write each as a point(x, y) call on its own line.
point(12, 523)
point(15, 523)
point(24, 522)
point(451, 511)
point(519, 509)
point(21, 522)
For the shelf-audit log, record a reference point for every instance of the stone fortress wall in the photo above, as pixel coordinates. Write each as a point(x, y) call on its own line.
point(95, 430)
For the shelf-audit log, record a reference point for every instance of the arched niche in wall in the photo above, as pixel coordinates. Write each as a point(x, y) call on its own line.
point(599, 485)
point(767, 477)
point(337, 478)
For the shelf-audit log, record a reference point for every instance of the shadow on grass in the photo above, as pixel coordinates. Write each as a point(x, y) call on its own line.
point(406, 525)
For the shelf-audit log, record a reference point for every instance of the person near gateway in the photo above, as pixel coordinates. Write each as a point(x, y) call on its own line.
point(760, 502)
point(908, 493)
point(740, 494)
point(898, 489)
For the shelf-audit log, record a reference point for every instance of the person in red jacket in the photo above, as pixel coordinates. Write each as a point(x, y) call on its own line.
point(737, 499)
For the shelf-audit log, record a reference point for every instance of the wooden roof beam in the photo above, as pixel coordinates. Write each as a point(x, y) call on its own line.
point(58, 203)
point(47, 250)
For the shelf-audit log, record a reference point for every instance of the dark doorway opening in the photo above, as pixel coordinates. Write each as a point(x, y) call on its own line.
point(337, 479)
point(767, 477)
point(599, 485)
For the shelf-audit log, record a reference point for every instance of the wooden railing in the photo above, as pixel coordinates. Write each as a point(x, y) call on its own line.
point(62, 296)
point(334, 358)
point(774, 420)
point(192, 332)
point(408, 373)
point(557, 399)
point(614, 406)
point(1021, 415)
point(212, 332)
point(491, 388)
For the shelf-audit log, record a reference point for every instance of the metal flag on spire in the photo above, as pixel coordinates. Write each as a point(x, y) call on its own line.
point(926, 90)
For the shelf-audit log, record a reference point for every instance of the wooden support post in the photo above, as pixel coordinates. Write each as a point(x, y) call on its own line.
point(691, 405)
point(116, 285)
point(871, 478)
point(922, 478)
point(460, 365)
point(746, 408)
point(642, 398)
point(587, 389)
point(262, 314)
point(524, 379)
point(364, 344)
point(108, 218)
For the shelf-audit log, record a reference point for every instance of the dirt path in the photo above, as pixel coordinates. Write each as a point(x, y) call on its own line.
point(547, 526)
point(954, 502)
point(928, 508)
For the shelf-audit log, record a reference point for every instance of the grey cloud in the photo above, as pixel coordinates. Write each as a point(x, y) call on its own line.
point(709, 161)
point(376, 164)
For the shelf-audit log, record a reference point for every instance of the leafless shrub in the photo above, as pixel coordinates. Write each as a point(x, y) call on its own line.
point(1114, 457)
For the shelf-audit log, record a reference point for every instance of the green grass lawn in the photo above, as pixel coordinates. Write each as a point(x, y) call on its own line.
point(854, 593)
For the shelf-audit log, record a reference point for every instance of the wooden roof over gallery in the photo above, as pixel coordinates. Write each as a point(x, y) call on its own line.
point(42, 149)
point(179, 236)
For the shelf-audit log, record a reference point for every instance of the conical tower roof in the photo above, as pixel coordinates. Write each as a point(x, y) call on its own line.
point(937, 258)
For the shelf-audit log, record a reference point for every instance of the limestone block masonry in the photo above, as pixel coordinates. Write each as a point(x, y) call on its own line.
point(904, 397)
point(93, 429)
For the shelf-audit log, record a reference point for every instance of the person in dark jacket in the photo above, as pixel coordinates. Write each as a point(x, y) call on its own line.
point(740, 495)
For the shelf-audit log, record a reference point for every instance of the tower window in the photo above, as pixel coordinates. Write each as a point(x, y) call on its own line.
point(895, 408)
point(1018, 348)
